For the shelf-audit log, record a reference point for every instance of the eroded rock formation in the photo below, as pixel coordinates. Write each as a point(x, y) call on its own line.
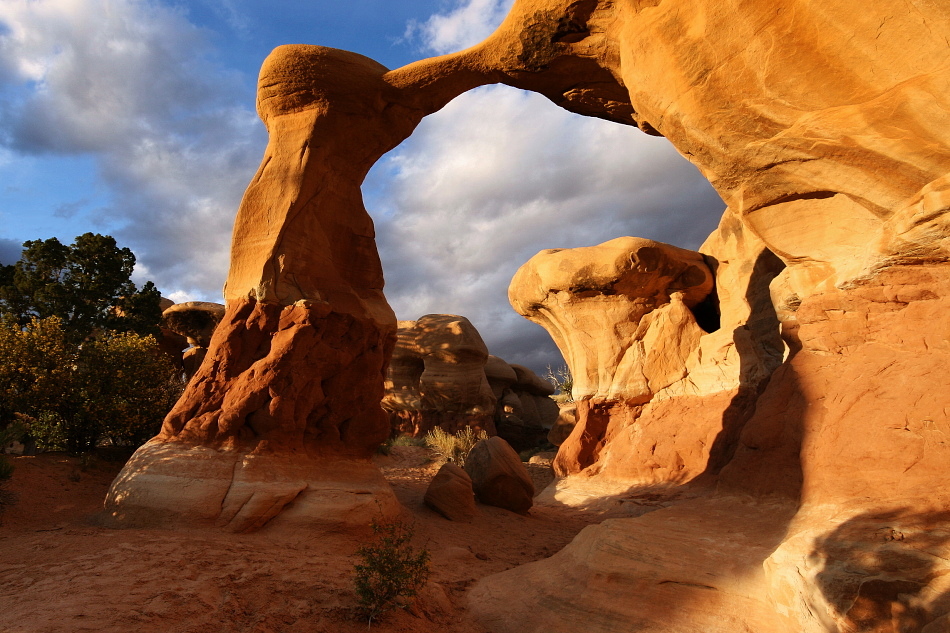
point(437, 377)
point(817, 461)
point(441, 374)
point(195, 321)
point(824, 126)
point(280, 421)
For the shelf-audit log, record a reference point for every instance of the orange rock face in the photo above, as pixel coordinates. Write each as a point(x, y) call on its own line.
point(294, 373)
point(804, 474)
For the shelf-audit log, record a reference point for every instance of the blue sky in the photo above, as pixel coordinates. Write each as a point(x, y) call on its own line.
point(136, 118)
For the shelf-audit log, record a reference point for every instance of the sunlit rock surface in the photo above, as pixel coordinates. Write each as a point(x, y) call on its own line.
point(797, 484)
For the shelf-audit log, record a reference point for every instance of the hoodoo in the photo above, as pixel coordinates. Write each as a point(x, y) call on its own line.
point(781, 394)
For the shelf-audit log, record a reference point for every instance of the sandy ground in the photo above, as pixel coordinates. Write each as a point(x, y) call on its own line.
point(60, 572)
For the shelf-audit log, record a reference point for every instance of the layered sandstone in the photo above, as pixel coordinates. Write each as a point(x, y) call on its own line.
point(278, 424)
point(441, 375)
point(829, 144)
point(437, 377)
point(824, 127)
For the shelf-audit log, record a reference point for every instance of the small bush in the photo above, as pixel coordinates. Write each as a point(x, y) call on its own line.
point(403, 440)
point(453, 448)
point(408, 440)
point(390, 568)
point(563, 381)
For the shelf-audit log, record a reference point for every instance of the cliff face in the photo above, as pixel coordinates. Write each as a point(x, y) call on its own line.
point(793, 455)
point(790, 465)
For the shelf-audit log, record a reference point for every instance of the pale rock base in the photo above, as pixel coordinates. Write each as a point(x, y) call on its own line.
point(167, 484)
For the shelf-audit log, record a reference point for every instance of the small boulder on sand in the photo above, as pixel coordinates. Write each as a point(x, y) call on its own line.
point(498, 475)
point(450, 493)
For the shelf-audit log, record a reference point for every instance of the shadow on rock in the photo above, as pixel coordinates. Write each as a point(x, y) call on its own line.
point(887, 572)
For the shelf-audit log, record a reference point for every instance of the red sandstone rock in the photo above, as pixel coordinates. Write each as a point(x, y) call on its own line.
point(294, 371)
point(498, 476)
point(450, 494)
point(830, 146)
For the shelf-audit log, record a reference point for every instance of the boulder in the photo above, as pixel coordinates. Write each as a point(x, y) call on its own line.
point(450, 493)
point(499, 477)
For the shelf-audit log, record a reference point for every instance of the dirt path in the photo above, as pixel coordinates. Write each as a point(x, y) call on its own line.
point(59, 572)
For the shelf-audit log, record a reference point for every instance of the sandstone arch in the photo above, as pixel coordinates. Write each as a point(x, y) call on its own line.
point(830, 144)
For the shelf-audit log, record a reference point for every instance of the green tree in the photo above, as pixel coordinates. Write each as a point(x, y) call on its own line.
point(86, 284)
point(114, 388)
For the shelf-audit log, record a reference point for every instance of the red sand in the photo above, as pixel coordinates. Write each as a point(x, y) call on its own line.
point(60, 572)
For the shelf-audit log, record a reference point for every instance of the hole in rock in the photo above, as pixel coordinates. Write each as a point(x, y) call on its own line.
point(500, 174)
point(706, 312)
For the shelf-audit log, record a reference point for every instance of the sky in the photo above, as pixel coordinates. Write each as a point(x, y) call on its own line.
point(136, 119)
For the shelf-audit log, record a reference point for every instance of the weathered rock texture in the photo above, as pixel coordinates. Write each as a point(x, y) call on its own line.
point(826, 129)
point(450, 493)
point(437, 377)
point(195, 321)
point(498, 475)
point(294, 372)
point(830, 147)
point(441, 374)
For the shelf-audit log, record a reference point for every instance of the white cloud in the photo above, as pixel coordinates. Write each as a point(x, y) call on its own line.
point(500, 174)
point(131, 82)
point(467, 24)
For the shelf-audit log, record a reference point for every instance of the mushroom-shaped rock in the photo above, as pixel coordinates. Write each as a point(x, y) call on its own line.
point(437, 376)
point(500, 375)
point(450, 493)
point(195, 320)
point(499, 477)
point(592, 301)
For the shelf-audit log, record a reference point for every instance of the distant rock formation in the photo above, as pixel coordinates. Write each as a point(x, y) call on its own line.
point(441, 374)
point(437, 377)
point(195, 321)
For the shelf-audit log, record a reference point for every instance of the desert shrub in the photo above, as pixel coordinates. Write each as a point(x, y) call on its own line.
point(72, 396)
point(408, 440)
point(128, 386)
point(455, 447)
point(390, 569)
point(563, 381)
point(402, 440)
